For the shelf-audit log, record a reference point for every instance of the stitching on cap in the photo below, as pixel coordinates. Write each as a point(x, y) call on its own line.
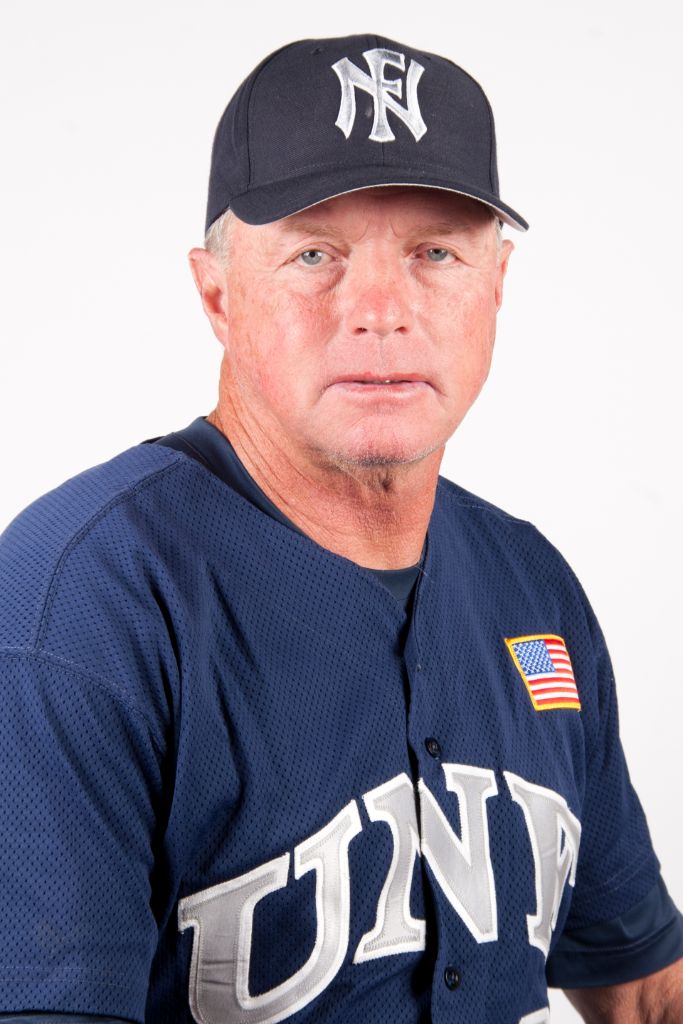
point(488, 108)
point(258, 74)
point(491, 144)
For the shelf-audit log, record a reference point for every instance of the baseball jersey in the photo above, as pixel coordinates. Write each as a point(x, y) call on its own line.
point(253, 789)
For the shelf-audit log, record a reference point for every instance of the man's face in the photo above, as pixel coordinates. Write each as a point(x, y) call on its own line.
point(360, 331)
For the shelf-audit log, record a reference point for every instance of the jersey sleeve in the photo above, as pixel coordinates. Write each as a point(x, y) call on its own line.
point(80, 790)
point(625, 925)
point(617, 865)
point(645, 939)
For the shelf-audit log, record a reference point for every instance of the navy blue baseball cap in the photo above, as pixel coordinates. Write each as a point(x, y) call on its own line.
point(323, 117)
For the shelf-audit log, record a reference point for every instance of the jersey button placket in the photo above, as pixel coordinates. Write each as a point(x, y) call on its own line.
point(433, 747)
point(451, 977)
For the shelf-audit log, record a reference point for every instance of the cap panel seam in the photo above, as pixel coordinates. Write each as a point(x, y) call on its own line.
point(489, 114)
point(252, 87)
point(492, 152)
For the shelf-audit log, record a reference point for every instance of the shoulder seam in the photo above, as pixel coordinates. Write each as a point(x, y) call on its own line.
point(482, 506)
point(100, 681)
point(80, 533)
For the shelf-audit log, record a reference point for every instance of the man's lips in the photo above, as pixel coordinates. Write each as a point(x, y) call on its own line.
point(392, 387)
point(391, 383)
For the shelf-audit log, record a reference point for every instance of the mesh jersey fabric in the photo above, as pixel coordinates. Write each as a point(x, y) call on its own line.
point(192, 691)
point(636, 944)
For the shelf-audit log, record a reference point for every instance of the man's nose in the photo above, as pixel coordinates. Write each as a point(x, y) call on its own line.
point(378, 302)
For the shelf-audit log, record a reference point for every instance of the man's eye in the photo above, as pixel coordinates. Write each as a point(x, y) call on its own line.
point(437, 255)
point(312, 257)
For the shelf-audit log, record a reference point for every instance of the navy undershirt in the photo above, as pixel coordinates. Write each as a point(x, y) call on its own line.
point(645, 939)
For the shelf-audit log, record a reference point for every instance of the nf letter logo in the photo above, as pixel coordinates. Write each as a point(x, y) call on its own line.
point(382, 91)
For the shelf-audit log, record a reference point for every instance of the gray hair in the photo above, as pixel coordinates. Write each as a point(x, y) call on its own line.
point(217, 240)
point(499, 234)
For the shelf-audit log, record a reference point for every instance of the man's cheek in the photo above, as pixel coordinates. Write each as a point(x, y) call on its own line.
point(465, 309)
point(279, 381)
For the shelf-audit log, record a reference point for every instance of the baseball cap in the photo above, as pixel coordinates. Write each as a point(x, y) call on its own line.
point(322, 117)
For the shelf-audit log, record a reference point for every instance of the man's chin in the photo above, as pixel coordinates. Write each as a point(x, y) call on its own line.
point(378, 455)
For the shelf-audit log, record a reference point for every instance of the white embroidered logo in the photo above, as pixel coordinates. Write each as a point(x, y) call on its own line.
point(383, 92)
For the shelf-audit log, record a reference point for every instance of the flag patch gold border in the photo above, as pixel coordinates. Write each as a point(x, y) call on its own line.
point(569, 702)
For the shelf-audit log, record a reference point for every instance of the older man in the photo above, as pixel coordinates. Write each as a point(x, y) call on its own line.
point(293, 728)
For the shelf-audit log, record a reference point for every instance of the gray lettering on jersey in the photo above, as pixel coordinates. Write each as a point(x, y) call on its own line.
point(395, 930)
point(383, 91)
point(555, 834)
point(462, 866)
point(222, 917)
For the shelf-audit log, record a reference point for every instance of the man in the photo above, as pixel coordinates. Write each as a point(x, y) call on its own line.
point(293, 728)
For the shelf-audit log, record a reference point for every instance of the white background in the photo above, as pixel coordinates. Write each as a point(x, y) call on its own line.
point(108, 111)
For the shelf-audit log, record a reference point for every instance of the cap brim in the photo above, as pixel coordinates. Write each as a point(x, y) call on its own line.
point(272, 202)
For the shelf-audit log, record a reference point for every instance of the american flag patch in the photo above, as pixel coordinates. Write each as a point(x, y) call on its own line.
point(544, 665)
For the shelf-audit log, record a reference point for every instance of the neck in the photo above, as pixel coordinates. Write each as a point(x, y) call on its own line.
point(374, 516)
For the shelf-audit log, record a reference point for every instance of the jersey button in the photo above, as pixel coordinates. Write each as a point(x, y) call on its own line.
point(433, 747)
point(452, 978)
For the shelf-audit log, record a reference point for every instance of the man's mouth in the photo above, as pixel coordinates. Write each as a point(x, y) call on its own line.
point(376, 381)
point(396, 388)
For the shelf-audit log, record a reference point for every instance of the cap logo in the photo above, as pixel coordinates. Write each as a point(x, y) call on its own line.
point(383, 92)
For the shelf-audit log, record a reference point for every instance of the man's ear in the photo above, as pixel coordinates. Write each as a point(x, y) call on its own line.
point(211, 285)
point(506, 248)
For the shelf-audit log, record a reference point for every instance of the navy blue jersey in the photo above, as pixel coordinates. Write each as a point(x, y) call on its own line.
point(239, 784)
